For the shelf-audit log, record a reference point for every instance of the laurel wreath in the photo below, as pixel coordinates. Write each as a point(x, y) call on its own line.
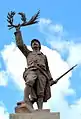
point(10, 19)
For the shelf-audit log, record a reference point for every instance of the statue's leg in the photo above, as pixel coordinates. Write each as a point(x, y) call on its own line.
point(30, 80)
point(41, 83)
point(40, 103)
point(27, 92)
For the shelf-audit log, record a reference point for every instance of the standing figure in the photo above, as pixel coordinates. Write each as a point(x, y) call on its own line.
point(37, 75)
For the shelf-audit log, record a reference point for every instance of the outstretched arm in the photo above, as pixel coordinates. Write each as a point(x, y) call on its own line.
point(19, 42)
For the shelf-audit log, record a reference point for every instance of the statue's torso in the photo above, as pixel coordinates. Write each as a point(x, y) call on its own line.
point(36, 58)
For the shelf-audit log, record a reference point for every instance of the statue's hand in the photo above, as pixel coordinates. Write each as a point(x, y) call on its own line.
point(55, 81)
point(52, 82)
point(17, 27)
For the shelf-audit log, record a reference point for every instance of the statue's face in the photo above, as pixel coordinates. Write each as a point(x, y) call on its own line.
point(35, 45)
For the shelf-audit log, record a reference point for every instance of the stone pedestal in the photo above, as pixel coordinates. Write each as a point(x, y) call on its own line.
point(36, 115)
point(24, 111)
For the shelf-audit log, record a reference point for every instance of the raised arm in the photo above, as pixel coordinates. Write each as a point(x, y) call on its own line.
point(20, 44)
point(18, 35)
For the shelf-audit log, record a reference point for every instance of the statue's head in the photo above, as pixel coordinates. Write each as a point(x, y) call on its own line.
point(35, 44)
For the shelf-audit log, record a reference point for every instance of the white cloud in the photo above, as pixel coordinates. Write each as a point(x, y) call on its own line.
point(67, 111)
point(47, 23)
point(56, 36)
point(55, 31)
point(73, 50)
point(3, 78)
point(0, 65)
point(74, 53)
point(3, 112)
point(15, 64)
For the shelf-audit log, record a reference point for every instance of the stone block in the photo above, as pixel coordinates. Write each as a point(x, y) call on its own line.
point(35, 115)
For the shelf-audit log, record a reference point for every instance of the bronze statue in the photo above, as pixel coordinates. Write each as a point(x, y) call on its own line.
point(37, 75)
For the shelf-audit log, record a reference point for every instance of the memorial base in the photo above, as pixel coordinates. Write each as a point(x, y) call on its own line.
point(24, 111)
point(36, 115)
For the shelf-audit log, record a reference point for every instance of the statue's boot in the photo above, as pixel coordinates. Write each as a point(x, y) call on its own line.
point(40, 103)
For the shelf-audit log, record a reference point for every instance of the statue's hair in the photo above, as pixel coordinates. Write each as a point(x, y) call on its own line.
point(36, 41)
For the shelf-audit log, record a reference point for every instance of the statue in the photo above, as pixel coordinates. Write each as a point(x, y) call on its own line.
point(37, 75)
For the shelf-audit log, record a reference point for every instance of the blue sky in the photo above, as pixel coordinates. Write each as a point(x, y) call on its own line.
point(59, 32)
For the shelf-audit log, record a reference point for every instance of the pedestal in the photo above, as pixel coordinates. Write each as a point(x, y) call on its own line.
point(36, 115)
point(24, 111)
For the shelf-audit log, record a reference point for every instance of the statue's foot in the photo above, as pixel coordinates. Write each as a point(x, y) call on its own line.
point(29, 107)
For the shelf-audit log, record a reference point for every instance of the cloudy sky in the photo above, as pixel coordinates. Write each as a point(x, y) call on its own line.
point(59, 31)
